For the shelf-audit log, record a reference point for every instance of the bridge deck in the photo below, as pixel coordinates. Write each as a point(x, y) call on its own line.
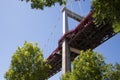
point(85, 36)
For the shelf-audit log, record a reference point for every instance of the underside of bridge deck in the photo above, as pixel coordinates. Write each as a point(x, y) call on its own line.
point(85, 36)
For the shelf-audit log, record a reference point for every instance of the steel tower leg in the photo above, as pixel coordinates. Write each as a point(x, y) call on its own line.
point(66, 64)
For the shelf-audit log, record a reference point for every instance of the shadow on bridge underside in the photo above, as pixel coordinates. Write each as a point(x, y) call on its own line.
point(85, 36)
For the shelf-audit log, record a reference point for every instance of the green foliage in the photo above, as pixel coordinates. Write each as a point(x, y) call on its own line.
point(116, 26)
point(68, 76)
point(116, 72)
point(40, 4)
point(113, 72)
point(27, 64)
point(104, 11)
point(107, 12)
point(88, 65)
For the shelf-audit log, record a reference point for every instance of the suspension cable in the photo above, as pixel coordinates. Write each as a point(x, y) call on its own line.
point(52, 32)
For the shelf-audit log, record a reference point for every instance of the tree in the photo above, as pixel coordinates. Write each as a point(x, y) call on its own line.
point(40, 4)
point(27, 64)
point(116, 72)
point(107, 12)
point(104, 11)
point(88, 65)
point(113, 72)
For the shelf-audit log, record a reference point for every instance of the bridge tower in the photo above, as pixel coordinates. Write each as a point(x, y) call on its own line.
point(66, 61)
point(66, 64)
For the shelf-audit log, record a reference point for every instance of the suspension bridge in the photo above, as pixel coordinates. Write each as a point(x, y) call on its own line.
point(86, 35)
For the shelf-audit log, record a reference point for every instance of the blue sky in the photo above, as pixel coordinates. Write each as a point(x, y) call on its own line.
point(19, 23)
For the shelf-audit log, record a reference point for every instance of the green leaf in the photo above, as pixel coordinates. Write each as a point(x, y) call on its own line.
point(116, 26)
point(27, 64)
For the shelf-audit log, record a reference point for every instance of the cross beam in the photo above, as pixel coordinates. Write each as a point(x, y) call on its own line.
point(74, 50)
point(72, 15)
